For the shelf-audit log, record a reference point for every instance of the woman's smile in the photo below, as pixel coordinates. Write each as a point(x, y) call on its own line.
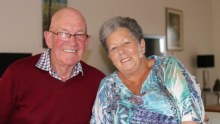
point(125, 59)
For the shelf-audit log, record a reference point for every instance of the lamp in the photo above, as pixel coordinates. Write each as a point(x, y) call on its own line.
point(205, 61)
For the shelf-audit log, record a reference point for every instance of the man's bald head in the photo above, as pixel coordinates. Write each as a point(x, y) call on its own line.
point(66, 13)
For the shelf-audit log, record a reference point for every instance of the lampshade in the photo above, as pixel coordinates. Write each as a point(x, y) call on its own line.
point(205, 61)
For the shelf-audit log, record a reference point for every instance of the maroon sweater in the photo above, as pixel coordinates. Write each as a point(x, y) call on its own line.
point(29, 95)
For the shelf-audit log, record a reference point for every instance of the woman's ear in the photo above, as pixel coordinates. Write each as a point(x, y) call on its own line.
point(48, 39)
point(143, 47)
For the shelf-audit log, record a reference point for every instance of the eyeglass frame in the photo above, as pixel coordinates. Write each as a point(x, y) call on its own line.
point(69, 35)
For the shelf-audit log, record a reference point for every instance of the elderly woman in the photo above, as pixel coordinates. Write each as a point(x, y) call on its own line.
point(154, 90)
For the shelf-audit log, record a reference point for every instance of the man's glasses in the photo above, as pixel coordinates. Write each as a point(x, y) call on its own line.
point(66, 36)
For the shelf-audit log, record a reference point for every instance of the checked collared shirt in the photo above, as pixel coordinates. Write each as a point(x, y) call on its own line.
point(44, 64)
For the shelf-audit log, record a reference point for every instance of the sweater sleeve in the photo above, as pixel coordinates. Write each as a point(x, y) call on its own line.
point(185, 90)
point(7, 89)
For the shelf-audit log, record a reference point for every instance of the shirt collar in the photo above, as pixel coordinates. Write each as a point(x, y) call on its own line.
point(44, 64)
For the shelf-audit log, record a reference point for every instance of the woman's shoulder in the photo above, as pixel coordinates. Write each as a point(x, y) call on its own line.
point(109, 80)
point(111, 76)
point(163, 60)
point(109, 86)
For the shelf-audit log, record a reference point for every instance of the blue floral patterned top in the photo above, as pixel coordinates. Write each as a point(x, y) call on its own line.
point(169, 95)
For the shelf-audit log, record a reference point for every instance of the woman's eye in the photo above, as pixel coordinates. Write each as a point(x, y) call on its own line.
point(113, 48)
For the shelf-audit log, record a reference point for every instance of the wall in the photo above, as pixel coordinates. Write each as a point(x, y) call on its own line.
point(216, 37)
point(21, 26)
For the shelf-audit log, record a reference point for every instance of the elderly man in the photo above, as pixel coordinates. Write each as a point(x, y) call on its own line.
point(54, 87)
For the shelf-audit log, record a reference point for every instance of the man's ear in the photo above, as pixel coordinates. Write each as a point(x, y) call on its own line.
point(87, 41)
point(48, 39)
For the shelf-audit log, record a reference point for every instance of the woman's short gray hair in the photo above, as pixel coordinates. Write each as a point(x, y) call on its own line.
point(114, 23)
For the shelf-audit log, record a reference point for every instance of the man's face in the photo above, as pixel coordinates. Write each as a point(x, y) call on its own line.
point(65, 50)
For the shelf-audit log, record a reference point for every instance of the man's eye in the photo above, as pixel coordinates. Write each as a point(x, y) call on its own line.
point(63, 34)
point(79, 35)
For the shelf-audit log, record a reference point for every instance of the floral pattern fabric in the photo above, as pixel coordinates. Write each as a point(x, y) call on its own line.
point(169, 95)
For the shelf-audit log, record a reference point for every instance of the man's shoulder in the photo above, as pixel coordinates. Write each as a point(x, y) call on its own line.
point(25, 62)
point(22, 65)
point(90, 69)
point(31, 59)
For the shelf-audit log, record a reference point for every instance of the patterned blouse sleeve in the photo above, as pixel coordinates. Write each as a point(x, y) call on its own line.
point(99, 111)
point(185, 90)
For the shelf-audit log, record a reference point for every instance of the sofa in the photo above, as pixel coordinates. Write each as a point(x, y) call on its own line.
point(214, 117)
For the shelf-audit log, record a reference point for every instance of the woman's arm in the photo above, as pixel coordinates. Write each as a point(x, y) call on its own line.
point(185, 90)
point(190, 122)
point(100, 113)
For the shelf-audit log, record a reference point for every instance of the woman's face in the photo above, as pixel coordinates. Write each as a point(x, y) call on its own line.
point(125, 51)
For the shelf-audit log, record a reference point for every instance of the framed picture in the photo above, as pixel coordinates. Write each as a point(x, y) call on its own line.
point(174, 29)
point(49, 8)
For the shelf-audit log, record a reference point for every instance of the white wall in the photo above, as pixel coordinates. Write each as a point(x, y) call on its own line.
point(216, 36)
point(151, 16)
point(21, 26)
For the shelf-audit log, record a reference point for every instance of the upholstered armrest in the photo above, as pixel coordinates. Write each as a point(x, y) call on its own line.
point(213, 117)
